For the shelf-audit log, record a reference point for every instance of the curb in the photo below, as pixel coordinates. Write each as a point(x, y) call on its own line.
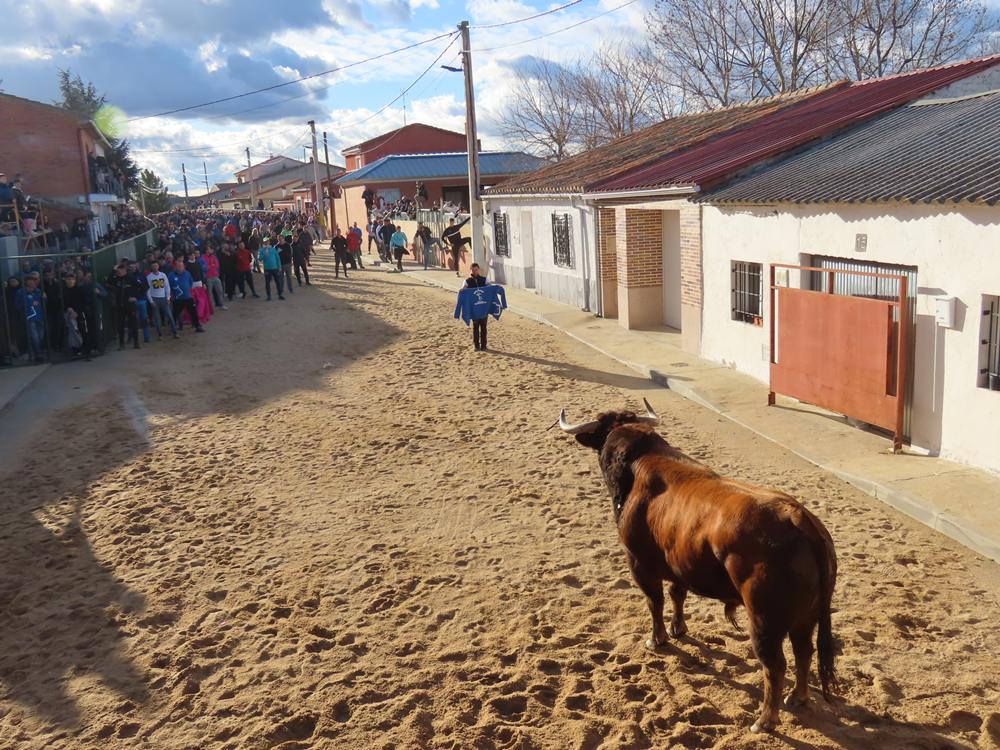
point(39, 371)
point(954, 527)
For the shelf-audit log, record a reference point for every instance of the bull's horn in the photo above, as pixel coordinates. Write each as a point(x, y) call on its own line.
point(650, 417)
point(575, 429)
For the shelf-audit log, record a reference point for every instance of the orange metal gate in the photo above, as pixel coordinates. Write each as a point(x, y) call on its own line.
point(843, 353)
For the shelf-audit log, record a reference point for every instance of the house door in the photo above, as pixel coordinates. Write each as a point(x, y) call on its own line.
point(528, 249)
point(874, 287)
point(672, 269)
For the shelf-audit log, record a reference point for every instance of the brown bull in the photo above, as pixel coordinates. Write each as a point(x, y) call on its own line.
point(681, 522)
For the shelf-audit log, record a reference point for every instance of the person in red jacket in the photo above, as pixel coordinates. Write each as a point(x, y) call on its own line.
point(354, 248)
point(244, 270)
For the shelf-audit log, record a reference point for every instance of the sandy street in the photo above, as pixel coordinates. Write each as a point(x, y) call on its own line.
point(328, 523)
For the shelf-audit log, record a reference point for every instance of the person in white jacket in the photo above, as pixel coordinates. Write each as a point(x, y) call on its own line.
point(158, 295)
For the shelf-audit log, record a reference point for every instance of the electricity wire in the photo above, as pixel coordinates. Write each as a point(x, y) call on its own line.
point(297, 80)
point(528, 18)
point(558, 31)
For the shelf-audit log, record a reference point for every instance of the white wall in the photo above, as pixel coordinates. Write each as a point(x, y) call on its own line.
point(575, 286)
point(957, 252)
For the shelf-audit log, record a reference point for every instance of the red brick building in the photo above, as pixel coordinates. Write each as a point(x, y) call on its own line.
point(60, 157)
point(50, 147)
point(409, 139)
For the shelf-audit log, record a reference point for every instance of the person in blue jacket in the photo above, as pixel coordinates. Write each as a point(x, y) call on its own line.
point(478, 324)
point(180, 288)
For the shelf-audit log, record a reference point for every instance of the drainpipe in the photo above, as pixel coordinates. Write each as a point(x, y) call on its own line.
point(597, 266)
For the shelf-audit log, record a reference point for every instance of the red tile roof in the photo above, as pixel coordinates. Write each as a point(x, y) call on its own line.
point(712, 161)
point(573, 174)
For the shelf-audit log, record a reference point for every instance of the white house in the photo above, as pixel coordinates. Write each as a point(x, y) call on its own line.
point(914, 192)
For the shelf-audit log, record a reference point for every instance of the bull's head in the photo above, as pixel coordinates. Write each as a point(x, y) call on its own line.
point(594, 434)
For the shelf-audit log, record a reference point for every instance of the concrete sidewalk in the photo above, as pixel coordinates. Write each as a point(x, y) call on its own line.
point(956, 500)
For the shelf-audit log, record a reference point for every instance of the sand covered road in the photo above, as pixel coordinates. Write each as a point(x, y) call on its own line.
point(328, 523)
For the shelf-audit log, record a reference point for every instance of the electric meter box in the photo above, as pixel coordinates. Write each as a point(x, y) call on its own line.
point(944, 311)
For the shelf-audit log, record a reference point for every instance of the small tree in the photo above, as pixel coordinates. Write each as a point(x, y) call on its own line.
point(154, 192)
point(84, 100)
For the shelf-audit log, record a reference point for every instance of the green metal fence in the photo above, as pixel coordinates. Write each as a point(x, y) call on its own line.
point(32, 333)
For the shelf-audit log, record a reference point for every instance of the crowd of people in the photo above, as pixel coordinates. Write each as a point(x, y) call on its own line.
point(202, 261)
point(57, 227)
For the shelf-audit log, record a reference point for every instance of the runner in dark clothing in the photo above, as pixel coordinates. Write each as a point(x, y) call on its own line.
point(300, 257)
point(339, 246)
point(453, 236)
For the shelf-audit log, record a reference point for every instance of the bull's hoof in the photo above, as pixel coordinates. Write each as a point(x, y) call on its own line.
point(678, 630)
point(797, 701)
point(760, 726)
point(652, 645)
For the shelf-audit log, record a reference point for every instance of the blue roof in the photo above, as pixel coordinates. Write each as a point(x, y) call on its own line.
point(403, 167)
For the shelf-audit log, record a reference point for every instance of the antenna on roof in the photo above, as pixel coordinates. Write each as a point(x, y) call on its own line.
point(404, 110)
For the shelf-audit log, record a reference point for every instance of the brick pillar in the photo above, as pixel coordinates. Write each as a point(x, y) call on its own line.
point(639, 242)
point(608, 260)
point(691, 278)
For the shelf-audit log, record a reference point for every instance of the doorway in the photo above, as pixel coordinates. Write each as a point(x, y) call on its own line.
point(528, 249)
point(672, 269)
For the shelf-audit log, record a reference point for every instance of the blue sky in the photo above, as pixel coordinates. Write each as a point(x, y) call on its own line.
point(155, 55)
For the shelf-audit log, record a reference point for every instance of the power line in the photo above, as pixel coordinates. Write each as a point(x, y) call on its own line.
point(528, 18)
point(297, 80)
point(558, 31)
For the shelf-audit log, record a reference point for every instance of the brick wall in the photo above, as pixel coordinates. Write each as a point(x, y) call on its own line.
point(43, 144)
point(606, 253)
point(691, 270)
point(639, 238)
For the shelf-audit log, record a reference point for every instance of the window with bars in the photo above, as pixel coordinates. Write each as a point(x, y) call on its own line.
point(747, 292)
point(990, 371)
point(501, 234)
point(562, 246)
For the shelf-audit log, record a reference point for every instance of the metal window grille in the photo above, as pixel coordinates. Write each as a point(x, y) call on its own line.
point(562, 249)
point(991, 342)
point(501, 234)
point(747, 291)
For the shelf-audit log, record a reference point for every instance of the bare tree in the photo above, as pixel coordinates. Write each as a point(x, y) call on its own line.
point(617, 92)
point(541, 111)
point(881, 37)
point(728, 51)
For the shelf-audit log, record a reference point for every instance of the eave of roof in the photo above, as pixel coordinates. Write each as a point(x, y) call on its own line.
point(575, 173)
point(931, 153)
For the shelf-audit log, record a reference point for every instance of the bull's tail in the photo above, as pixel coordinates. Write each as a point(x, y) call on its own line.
point(826, 562)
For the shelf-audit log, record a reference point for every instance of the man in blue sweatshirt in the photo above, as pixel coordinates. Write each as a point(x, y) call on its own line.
point(180, 288)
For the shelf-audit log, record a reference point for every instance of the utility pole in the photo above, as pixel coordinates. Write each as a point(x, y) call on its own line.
point(472, 141)
point(187, 201)
point(142, 197)
point(204, 165)
point(253, 190)
point(329, 186)
point(318, 205)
